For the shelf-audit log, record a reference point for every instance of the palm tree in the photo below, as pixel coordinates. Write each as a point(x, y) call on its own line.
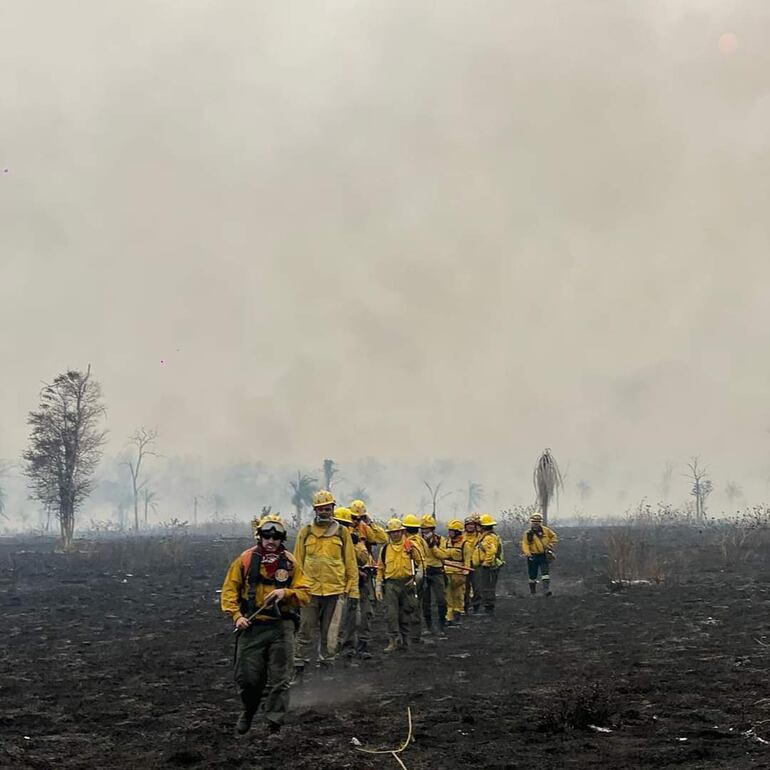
point(149, 499)
point(302, 494)
point(547, 479)
point(475, 495)
point(434, 495)
point(330, 470)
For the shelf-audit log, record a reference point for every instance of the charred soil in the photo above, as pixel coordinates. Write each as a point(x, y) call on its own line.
point(101, 667)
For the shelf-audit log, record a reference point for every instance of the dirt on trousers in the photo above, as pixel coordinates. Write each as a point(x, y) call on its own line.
point(123, 670)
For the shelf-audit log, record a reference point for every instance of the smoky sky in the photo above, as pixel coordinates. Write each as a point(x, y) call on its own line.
point(295, 230)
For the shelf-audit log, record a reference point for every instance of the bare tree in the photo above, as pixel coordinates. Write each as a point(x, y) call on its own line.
point(435, 495)
point(65, 446)
point(701, 487)
point(330, 470)
point(475, 496)
point(143, 441)
point(302, 494)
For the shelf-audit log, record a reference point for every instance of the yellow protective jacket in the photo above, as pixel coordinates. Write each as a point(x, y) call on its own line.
point(452, 550)
point(235, 589)
point(371, 533)
point(540, 543)
point(420, 549)
point(488, 551)
point(434, 555)
point(469, 543)
point(398, 561)
point(328, 558)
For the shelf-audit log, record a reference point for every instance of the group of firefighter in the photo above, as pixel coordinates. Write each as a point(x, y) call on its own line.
point(318, 601)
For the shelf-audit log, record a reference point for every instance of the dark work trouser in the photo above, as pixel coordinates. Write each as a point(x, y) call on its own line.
point(538, 563)
point(433, 593)
point(400, 609)
point(265, 653)
point(472, 593)
point(322, 616)
point(486, 578)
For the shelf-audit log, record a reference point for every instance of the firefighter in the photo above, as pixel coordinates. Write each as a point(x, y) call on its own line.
point(412, 526)
point(434, 584)
point(398, 574)
point(537, 545)
point(372, 535)
point(351, 622)
point(262, 593)
point(452, 547)
point(472, 534)
point(325, 552)
point(486, 561)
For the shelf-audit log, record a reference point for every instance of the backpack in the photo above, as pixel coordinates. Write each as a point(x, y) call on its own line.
point(250, 569)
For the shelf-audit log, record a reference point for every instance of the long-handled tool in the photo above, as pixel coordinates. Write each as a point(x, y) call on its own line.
point(256, 612)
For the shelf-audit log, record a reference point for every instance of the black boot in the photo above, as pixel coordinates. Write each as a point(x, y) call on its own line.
point(244, 721)
point(533, 588)
point(363, 651)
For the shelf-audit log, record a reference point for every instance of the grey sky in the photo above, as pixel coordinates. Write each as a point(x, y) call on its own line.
point(404, 229)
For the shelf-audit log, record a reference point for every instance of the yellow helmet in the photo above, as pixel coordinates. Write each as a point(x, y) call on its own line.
point(344, 515)
point(410, 520)
point(358, 507)
point(472, 519)
point(455, 524)
point(394, 525)
point(323, 497)
point(428, 521)
point(271, 522)
point(536, 517)
point(487, 521)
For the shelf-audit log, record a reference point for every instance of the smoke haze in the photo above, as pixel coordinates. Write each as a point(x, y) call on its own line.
point(289, 231)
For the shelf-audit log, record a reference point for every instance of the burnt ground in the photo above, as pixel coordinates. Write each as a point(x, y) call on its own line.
point(101, 667)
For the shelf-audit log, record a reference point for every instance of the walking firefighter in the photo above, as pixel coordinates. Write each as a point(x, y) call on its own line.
point(372, 535)
point(324, 551)
point(537, 545)
point(398, 575)
point(472, 599)
point(412, 525)
point(351, 643)
point(456, 571)
point(434, 583)
point(486, 560)
point(262, 592)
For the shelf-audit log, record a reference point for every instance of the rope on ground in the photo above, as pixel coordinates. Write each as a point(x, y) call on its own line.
point(394, 752)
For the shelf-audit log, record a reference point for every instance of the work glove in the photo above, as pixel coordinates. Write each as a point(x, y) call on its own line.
point(378, 592)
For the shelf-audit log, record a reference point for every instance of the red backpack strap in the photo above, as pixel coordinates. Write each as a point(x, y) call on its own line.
point(246, 560)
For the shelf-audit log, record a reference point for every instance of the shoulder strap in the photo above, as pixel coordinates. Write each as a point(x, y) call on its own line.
point(383, 553)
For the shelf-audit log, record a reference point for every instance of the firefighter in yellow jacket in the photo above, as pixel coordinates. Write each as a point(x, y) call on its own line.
point(537, 545)
point(486, 561)
point(434, 583)
point(349, 645)
point(371, 535)
point(398, 574)
point(412, 525)
point(472, 528)
point(262, 593)
point(324, 551)
point(452, 551)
